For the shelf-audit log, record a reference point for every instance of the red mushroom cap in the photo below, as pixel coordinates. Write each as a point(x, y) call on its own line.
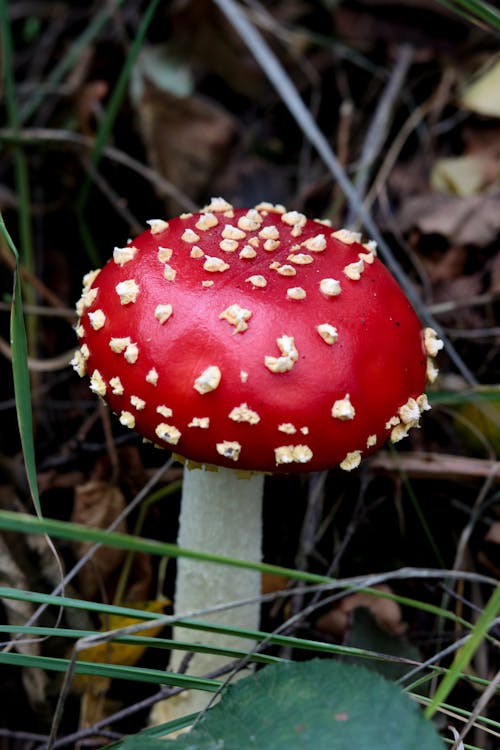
point(254, 339)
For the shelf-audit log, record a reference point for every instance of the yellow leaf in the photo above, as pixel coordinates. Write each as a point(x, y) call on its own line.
point(483, 95)
point(478, 424)
point(123, 653)
point(460, 175)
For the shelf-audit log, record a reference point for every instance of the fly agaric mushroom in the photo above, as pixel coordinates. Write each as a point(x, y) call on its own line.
point(257, 341)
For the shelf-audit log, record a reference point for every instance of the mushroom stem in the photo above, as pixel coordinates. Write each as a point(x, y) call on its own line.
point(220, 513)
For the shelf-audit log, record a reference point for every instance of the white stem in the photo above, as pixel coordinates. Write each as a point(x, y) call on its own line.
point(220, 513)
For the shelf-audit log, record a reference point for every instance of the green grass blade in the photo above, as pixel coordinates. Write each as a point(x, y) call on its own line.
point(118, 635)
point(112, 671)
point(134, 640)
point(272, 639)
point(108, 120)
point(481, 394)
point(25, 523)
point(20, 372)
point(70, 58)
point(283, 641)
point(475, 10)
point(464, 656)
point(119, 89)
point(197, 624)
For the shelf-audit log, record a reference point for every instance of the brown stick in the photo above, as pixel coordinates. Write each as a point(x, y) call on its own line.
point(426, 465)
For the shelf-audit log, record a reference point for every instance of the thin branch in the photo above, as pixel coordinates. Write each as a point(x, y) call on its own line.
point(51, 364)
point(376, 131)
point(49, 135)
point(488, 695)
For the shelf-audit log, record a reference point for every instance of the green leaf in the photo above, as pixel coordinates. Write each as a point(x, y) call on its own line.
point(20, 373)
point(316, 704)
point(367, 635)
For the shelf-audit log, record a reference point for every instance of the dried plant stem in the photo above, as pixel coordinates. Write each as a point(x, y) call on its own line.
point(376, 132)
point(77, 140)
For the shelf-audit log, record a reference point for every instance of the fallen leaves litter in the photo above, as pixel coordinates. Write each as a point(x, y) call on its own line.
point(94, 689)
point(462, 220)
point(97, 504)
point(186, 138)
point(387, 613)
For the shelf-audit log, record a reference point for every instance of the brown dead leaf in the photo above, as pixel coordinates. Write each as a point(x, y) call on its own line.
point(95, 702)
point(462, 220)
point(141, 576)
point(493, 533)
point(97, 504)
point(386, 612)
point(204, 37)
point(132, 474)
point(187, 138)
point(35, 681)
point(482, 139)
point(489, 554)
point(461, 287)
point(88, 105)
point(369, 22)
point(445, 265)
point(95, 705)
point(53, 479)
point(495, 275)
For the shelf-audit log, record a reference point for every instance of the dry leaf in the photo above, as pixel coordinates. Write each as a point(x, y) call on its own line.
point(364, 24)
point(386, 612)
point(463, 220)
point(479, 426)
point(483, 94)
point(493, 533)
point(461, 175)
point(204, 37)
point(35, 680)
point(495, 275)
point(89, 105)
point(97, 504)
point(489, 554)
point(272, 582)
point(95, 703)
point(444, 266)
point(122, 653)
point(187, 138)
point(140, 579)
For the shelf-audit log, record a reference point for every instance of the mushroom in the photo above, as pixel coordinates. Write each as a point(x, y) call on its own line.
point(257, 341)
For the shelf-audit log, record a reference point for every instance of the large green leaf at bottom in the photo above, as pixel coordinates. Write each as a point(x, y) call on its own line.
point(319, 704)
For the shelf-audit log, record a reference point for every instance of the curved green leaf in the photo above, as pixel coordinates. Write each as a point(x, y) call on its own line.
point(316, 704)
